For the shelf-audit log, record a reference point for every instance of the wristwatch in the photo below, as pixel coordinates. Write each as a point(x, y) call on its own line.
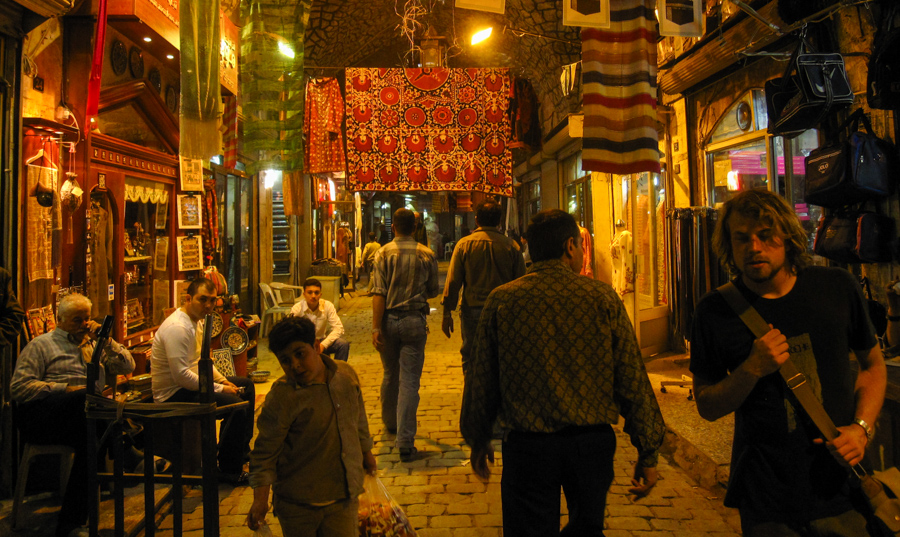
point(870, 431)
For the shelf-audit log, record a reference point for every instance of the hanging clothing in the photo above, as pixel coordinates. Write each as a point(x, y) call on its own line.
point(322, 127)
point(587, 244)
point(101, 265)
point(344, 235)
point(210, 230)
point(39, 226)
point(622, 253)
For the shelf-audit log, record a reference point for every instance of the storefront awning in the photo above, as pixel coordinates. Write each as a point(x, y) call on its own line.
point(719, 51)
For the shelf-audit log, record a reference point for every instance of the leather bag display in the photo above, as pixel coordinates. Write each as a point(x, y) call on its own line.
point(855, 237)
point(858, 167)
point(880, 490)
point(813, 84)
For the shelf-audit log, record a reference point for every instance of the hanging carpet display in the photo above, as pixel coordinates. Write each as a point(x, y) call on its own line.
point(619, 81)
point(429, 129)
point(322, 126)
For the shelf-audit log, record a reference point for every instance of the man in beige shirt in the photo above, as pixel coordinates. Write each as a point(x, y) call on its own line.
point(481, 262)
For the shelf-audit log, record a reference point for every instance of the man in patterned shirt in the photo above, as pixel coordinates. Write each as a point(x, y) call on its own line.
point(557, 360)
point(49, 387)
point(406, 276)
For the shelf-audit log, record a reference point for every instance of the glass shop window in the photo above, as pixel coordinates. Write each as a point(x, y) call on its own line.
point(577, 191)
point(147, 249)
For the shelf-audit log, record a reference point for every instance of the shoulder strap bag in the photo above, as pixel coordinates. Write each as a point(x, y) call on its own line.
point(880, 496)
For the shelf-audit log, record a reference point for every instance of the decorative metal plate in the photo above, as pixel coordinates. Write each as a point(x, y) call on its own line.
point(172, 99)
point(236, 339)
point(155, 79)
point(136, 62)
point(216, 325)
point(118, 57)
point(223, 362)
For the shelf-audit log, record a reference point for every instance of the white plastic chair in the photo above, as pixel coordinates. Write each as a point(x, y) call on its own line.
point(284, 294)
point(273, 312)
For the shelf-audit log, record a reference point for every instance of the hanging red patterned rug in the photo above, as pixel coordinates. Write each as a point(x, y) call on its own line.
point(429, 129)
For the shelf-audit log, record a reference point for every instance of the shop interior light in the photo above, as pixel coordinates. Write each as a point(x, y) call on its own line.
point(269, 178)
point(481, 35)
point(733, 181)
point(285, 49)
point(170, 56)
point(148, 39)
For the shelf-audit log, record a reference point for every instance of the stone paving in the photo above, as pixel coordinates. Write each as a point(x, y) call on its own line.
point(441, 495)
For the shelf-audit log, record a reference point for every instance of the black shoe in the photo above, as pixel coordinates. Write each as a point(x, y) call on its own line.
point(408, 454)
point(239, 479)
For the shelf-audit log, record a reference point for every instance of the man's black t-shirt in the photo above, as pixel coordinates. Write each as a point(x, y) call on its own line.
point(777, 473)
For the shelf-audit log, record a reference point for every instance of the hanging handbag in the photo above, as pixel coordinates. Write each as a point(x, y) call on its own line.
point(854, 237)
point(859, 167)
point(812, 85)
point(880, 490)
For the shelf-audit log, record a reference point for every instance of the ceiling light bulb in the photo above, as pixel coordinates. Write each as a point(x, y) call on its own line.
point(481, 35)
point(148, 39)
point(170, 56)
point(285, 49)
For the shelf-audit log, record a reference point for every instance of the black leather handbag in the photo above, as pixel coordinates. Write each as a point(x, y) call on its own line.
point(855, 237)
point(812, 85)
point(857, 168)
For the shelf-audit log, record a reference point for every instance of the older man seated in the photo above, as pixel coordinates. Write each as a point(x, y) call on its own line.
point(49, 386)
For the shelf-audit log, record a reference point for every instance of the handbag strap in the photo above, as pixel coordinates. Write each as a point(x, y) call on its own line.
point(792, 376)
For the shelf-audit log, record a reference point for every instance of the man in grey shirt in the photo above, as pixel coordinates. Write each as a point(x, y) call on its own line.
point(406, 276)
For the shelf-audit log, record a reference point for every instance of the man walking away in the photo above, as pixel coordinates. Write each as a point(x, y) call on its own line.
point(481, 262)
point(406, 276)
point(556, 358)
point(368, 257)
point(783, 480)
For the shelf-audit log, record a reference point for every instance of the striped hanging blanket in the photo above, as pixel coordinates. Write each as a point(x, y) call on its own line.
point(619, 80)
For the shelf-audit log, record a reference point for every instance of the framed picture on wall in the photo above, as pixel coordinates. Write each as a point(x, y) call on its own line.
point(682, 18)
point(162, 214)
point(161, 254)
point(189, 207)
point(191, 174)
point(190, 253)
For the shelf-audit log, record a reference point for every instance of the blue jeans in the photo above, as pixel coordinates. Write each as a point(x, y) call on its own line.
point(402, 357)
point(468, 327)
point(340, 349)
point(536, 465)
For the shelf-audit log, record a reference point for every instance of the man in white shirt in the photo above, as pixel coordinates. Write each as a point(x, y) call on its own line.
point(173, 368)
point(322, 313)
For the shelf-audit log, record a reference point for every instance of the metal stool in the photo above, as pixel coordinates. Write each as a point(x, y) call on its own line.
point(67, 457)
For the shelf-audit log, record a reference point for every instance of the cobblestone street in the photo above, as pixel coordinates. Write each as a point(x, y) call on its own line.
point(441, 495)
point(438, 490)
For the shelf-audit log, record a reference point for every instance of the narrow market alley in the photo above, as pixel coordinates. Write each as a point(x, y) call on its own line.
point(440, 494)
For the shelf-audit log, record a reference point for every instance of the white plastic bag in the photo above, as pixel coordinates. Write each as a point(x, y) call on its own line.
point(263, 530)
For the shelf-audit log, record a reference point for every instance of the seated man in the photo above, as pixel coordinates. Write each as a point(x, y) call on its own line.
point(321, 312)
point(173, 369)
point(49, 385)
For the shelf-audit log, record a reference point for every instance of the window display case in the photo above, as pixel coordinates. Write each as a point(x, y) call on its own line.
point(146, 256)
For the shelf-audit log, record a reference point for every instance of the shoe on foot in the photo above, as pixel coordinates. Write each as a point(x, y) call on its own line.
point(239, 479)
point(407, 454)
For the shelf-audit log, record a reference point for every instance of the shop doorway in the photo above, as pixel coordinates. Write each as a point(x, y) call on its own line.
point(235, 196)
point(638, 251)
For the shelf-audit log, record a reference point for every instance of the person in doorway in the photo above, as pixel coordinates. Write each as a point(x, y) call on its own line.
point(49, 386)
point(174, 360)
point(541, 339)
point(368, 257)
point(406, 276)
point(329, 328)
point(481, 262)
point(421, 233)
point(783, 479)
point(313, 445)
point(11, 313)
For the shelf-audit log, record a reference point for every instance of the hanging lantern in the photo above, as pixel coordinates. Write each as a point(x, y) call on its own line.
point(434, 49)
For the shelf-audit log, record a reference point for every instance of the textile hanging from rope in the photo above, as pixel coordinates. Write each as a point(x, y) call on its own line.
point(429, 129)
point(619, 81)
point(200, 91)
point(230, 131)
point(272, 82)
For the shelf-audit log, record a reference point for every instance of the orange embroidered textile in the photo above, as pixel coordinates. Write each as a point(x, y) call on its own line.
point(322, 127)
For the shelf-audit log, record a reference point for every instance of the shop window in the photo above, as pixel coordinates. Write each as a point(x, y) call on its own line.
point(128, 124)
point(577, 191)
point(531, 201)
point(147, 260)
point(741, 156)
